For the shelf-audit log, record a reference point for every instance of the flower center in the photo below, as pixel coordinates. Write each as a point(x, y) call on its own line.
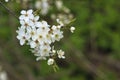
point(36, 41)
point(26, 15)
point(56, 35)
point(32, 33)
point(26, 24)
point(24, 37)
point(40, 36)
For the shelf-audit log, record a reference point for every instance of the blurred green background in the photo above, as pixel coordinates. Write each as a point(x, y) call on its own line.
point(92, 52)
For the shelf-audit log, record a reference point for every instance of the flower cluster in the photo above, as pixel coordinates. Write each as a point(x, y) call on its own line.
point(45, 6)
point(64, 14)
point(40, 36)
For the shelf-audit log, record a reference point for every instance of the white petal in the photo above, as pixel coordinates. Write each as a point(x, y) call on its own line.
point(37, 18)
point(32, 44)
point(26, 19)
point(21, 32)
point(23, 12)
point(31, 16)
point(38, 58)
point(54, 27)
point(28, 36)
point(34, 37)
point(22, 22)
point(58, 20)
point(22, 42)
point(63, 57)
point(29, 29)
point(38, 24)
point(23, 27)
point(45, 23)
point(29, 11)
point(21, 17)
point(18, 37)
point(72, 29)
point(32, 24)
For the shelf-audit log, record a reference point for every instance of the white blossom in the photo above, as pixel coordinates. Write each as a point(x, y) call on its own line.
point(45, 50)
point(60, 54)
point(50, 61)
point(33, 44)
point(34, 22)
point(57, 35)
point(40, 58)
point(72, 29)
point(26, 15)
point(59, 22)
point(21, 36)
point(31, 33)
point(43, 6)
point(59, 4)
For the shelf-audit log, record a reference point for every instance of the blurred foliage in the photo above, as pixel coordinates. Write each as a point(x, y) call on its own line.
point(97, 39)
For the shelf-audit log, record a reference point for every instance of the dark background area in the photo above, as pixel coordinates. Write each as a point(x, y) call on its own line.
point(92, 52)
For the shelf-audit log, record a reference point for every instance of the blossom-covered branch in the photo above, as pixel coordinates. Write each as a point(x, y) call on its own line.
point(40, 36)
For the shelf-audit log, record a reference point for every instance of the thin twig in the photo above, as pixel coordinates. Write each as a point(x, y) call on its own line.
point(9, 11)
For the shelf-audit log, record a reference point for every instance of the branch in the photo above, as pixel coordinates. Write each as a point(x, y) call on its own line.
point(9, 11)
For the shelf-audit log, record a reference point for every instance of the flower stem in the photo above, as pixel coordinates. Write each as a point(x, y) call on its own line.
point(55, 67)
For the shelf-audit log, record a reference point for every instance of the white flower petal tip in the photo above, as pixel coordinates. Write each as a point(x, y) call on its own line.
point(72, 29)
